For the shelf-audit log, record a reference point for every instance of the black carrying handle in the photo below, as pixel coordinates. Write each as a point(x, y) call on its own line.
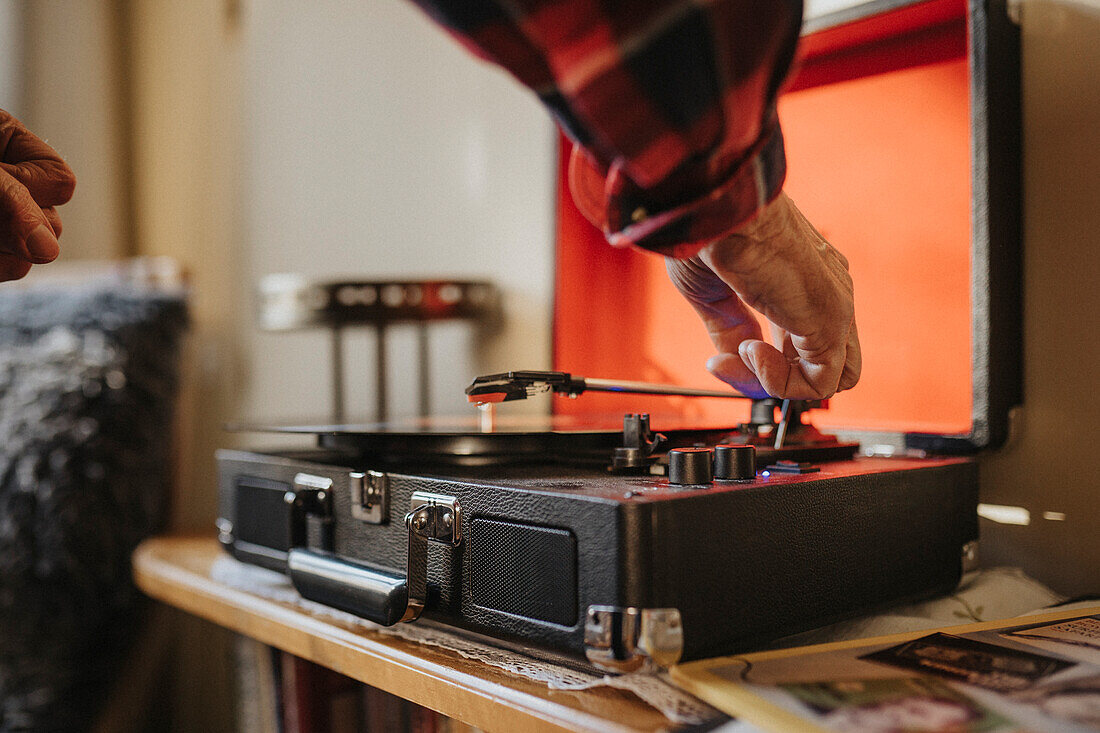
point(383, 597)
point(372, 594)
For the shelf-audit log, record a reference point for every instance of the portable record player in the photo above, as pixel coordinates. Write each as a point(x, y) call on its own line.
point(621, 544)
point(641, 537)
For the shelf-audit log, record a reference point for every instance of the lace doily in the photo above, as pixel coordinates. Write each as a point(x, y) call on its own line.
point(653, 688)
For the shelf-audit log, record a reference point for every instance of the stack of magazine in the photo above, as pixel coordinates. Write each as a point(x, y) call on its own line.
point(1036, 673)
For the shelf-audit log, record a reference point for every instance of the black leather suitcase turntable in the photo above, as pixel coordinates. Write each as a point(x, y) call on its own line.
point(646, 540)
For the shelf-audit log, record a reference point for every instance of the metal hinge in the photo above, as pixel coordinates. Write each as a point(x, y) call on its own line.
point(625, 639)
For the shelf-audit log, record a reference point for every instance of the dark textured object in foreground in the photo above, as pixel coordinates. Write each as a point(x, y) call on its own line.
point(88, 377)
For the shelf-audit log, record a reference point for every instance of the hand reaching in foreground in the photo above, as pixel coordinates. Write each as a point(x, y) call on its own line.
point(33, 180)
point(781, 267)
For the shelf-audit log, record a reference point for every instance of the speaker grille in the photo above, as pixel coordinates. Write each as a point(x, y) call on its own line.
point(524, 570)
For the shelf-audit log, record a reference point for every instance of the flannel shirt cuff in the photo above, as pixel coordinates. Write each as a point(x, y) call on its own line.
point(679, 226)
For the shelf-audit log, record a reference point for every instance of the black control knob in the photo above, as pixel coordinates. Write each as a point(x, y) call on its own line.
point(690, 466)
point(734, 462)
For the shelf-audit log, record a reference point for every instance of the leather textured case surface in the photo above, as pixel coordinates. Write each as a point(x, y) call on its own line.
point(743, 564)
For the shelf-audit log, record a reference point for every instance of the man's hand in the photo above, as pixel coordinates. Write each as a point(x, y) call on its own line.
point(33, 180)
point(781, 267)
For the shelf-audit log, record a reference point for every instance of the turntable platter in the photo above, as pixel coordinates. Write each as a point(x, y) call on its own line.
point(460, 441)
point(520, 439)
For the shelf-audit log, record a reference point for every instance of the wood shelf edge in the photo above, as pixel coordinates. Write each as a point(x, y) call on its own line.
point(170, 569)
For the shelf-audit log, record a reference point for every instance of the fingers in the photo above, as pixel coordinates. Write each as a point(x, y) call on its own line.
point(728, 321)
point(853, 361)
point(50, 183)
point(33, 163)
point(732, 369)
point(33, 180)
point(771, 368)
point(789, 377)
point(784, 269)
point(12, 267)
point(54, 220)
point(788, 374)
point(25, 230)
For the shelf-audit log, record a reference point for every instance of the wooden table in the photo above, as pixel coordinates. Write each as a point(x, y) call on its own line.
point(177, 571)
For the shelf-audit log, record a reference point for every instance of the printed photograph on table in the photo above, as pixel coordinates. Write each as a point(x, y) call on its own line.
point(1074, 700)
point(974, 662)
point(986, 676)
point(1077, 638)
point(907, 704)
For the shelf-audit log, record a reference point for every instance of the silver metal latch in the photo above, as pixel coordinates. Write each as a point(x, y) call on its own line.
point(625, 639)
point(370, 496)
point(433, 517)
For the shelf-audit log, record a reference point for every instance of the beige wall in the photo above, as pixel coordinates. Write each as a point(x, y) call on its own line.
point(185, 85)
point(72, 74)
point(185, 78)
point(11, 57)
point(1052, 464)
point(378, 148)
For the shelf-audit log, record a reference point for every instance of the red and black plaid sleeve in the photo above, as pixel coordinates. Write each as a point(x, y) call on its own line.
point(670, 103)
